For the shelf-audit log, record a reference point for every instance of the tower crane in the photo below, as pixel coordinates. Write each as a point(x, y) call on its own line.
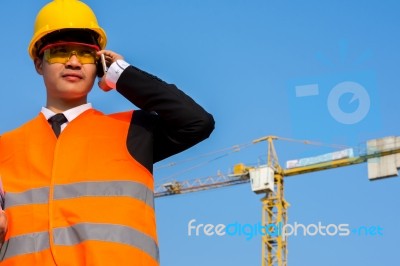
point(268, 180)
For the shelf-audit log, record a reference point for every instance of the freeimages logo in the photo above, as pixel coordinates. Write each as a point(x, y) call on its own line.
point(249, 231)
point(343, 102)
point(357, 96)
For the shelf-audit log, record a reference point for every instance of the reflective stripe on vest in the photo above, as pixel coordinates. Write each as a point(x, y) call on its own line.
point(69, 236)
point(33, 196)
point(25, 244)
point(84, 189)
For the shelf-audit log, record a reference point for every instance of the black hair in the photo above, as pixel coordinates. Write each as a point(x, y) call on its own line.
point(69, 35)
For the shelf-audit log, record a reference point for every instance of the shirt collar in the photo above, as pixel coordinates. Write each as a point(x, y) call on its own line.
point(70, 114)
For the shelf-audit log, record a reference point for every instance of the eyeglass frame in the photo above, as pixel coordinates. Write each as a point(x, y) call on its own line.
point(72, 52)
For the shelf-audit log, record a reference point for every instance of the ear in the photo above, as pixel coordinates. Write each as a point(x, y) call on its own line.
point(38, 65)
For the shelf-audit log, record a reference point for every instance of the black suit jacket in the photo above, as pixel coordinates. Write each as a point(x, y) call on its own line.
point(169, 121)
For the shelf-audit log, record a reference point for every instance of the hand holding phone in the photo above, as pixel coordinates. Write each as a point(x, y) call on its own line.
point(101, 72)
point(102, 67)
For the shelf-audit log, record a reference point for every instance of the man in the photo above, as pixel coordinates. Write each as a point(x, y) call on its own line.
point(79, 185)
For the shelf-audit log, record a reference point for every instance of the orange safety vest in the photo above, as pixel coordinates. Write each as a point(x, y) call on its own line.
point(81, 199)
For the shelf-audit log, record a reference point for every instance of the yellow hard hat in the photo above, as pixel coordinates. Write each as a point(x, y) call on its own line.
point(65, 14)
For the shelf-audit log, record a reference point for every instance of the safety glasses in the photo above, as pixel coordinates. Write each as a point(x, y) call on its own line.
point(61, 52)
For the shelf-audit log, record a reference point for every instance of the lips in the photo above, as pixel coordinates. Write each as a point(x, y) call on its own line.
point(72, 75)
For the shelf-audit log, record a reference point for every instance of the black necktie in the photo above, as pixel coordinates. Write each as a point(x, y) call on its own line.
point(56, 121)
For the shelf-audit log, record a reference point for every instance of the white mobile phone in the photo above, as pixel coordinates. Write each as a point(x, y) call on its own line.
point(103, 63)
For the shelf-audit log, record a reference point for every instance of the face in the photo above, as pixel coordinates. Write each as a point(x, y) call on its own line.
point(69, 81)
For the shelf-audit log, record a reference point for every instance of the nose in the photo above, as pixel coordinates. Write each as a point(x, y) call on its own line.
point(73, 62)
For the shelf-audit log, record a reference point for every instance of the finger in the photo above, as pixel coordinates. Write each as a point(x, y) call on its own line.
point(110, 55)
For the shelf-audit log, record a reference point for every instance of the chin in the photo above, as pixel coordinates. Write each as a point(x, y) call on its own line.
point(72, 95)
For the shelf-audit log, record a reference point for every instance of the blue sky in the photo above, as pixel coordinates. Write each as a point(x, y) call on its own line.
point(242, 60)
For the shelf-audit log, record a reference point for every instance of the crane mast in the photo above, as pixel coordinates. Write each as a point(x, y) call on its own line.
point(274, 212)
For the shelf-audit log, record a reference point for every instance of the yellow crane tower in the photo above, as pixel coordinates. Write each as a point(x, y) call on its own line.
point(268, 179)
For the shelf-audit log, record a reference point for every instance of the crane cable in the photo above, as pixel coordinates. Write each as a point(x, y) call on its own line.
point(226, 152)
point(315, 143)
point(229, 150)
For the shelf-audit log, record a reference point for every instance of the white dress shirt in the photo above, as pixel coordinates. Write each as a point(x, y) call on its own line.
point(70, 114)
